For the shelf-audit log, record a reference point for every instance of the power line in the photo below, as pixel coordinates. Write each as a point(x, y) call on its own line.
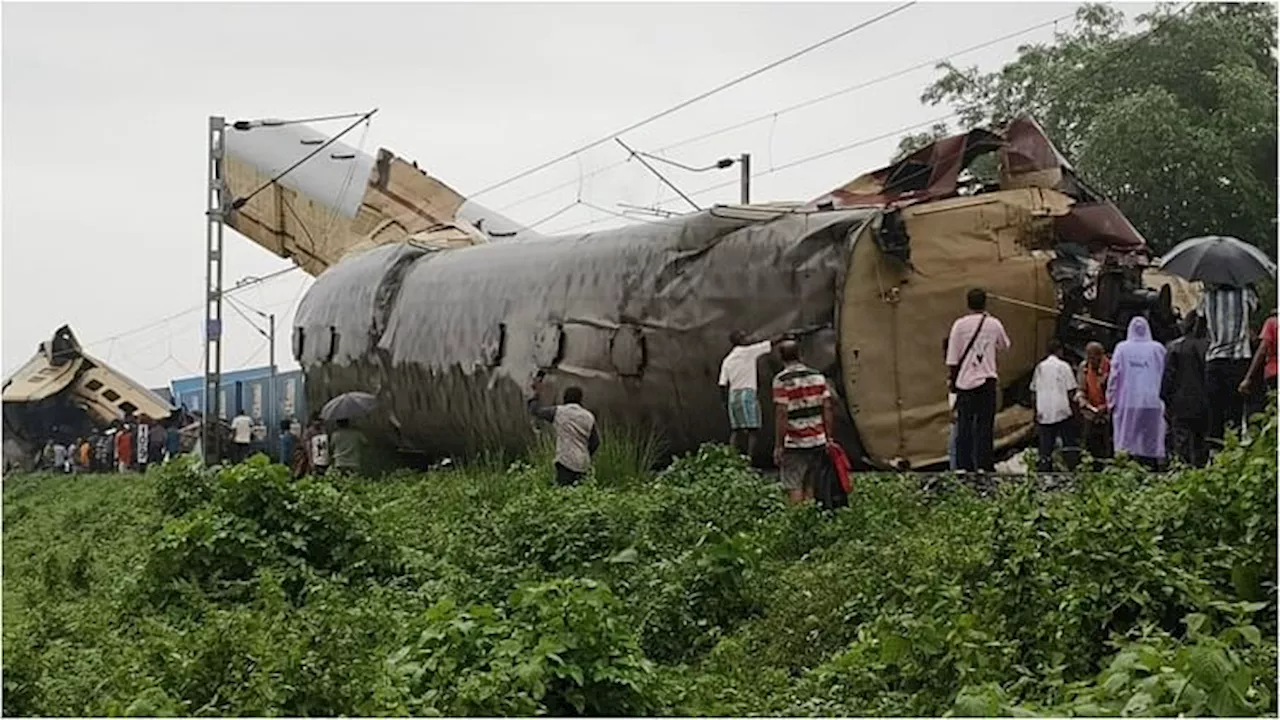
point(1136, 40)
point(261, 346)
point(597, 221)
point(555, 214)
point(680, 106)
point(798, 106)
point(818, 156)
point(194, 308)
point(241, 313)
point(660, 176)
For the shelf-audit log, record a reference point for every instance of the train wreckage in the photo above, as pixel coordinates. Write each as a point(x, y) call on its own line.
point(63, 392)
point(447, 311)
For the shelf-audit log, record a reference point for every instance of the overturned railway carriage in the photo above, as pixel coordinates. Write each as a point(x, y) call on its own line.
point(640, 317)
point(450, 331)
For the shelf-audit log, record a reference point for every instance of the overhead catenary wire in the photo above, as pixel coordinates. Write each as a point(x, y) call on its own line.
point(135, 350)
point(235, 306)
point(612, 214)
point(773, 115)
point(555, 214)
point(660, 176)
point(1135, 42)
point(697, 98)
point(194, 308)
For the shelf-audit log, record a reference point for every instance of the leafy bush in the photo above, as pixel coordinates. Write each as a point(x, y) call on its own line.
point(558, 648)
point(255, 516)
point(696, 590)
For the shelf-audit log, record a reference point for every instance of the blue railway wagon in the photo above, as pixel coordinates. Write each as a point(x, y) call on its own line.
point(248, 389)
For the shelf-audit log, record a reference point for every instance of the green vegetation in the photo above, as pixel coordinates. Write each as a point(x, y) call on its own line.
point(487, 591)
point(1174, 121)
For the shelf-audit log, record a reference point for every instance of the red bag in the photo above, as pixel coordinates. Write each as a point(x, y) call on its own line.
point(841, 463)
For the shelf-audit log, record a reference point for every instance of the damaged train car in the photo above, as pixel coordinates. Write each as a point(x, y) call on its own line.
point(449, 324)
point(62, 393)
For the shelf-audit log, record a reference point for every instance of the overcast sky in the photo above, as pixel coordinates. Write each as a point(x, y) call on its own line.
point(105, 108)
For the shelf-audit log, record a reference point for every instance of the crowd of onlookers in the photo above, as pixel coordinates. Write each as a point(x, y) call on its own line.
point(132, 444)
point(129, 444)
point(1146, 400)
point(1152, 401)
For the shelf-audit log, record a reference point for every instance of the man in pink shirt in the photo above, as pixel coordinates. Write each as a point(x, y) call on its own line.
point(971, 357)
point(1264, 359)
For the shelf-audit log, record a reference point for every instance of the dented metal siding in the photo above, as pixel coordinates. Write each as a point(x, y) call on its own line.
point(638, 317)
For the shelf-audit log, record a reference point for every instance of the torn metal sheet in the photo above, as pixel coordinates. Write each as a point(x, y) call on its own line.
point(342, 200)
point(1027, 159)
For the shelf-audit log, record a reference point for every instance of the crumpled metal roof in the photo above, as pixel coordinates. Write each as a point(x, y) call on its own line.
point(1027, 158)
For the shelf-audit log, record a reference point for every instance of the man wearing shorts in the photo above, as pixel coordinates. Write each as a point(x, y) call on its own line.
point(803, 415)
point(738, 388)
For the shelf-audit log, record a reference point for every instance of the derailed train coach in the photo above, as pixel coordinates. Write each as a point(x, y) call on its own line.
point(62, 393)
point(451, 336)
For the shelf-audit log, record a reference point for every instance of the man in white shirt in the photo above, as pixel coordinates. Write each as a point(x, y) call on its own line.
point(242, 435)
point(971, 359)
point(577, 434)
point(738, 390)
point(1054, 386)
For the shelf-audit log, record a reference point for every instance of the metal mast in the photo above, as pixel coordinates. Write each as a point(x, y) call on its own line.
point(214, 216)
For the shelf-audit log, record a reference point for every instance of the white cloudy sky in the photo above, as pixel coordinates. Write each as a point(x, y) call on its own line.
point(105, 108)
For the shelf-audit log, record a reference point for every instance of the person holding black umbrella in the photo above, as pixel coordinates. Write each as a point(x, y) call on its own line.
point(1226, 310)
point(1228, 267)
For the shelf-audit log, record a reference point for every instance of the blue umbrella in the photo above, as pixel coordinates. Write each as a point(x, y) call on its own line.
point(348, 405)
point(1218, 260)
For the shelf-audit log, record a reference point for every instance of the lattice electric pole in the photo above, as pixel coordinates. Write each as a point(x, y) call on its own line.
point(211, 439)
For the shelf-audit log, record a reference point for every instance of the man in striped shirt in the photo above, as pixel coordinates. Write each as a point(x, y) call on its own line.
point(803, 415)
point(1226, 311)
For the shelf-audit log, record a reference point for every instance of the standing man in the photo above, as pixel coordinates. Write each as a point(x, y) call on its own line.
point(124, 446)
point(1183, 391)
point(348, 447)
point(60, 456)
point(1054, 386)
point(173, 439)
point(159, 438)
point(577, 437)
point(803, 417)
point(1092, 397)
point(971, 358)
point(1264, 360)
point(102, 452)
point(738, 389)
point(288, 443)
point(242, 436)
point(1226, 310)
point(317, 446)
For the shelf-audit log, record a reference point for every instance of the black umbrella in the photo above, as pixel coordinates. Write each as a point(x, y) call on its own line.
point(1218, 260)
point(348, 405)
